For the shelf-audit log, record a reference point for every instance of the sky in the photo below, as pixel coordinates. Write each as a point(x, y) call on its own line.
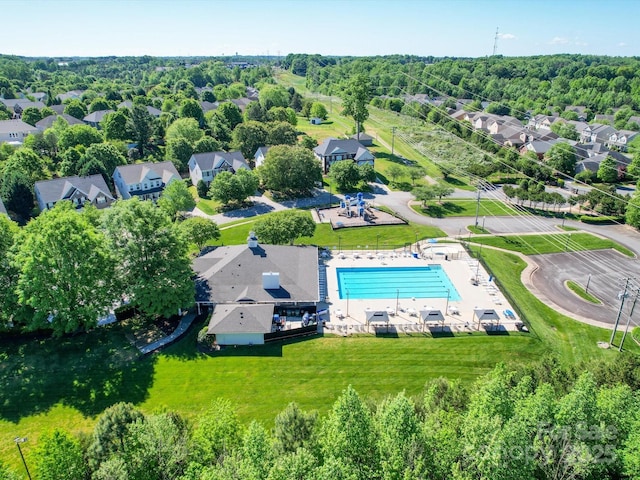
point(460, 28)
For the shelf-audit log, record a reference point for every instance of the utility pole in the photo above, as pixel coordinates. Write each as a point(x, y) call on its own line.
point(622, 295)
point(393, 138)
point(477, 207)
point(626, 328)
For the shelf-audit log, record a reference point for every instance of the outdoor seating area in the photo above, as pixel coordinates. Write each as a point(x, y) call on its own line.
point(435, 315)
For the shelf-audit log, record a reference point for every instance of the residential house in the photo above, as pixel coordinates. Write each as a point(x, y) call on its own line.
point(259, 156)
point(596, 132)
point(70, 95)
point(15, 131)
point(601, 118)
point(95, 118)
point(620, 139)
point(208, 106)
point(18, 105)
point(47, 122)
point(251, 286)
point(153, 111)
point(539, 147)
point(580, 110)
point(3, 210)
point(144, 180)
point(59, 109)
point(590, 155)
point(541, 122)
point(335, 150)
point(78, 190)
point(205, 166)
point(241, 103)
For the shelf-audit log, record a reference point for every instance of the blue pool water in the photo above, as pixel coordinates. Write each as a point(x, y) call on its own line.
point(387, 282)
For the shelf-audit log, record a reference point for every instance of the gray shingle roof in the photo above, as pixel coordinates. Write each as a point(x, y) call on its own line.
point(97, 116)
point(333, 145)
point(2, 209)
point(234, 273)
point(132, 174)
point(16, 126)
point(241, 318)
point(47, 122)
point(62, 188)
point(212, 160)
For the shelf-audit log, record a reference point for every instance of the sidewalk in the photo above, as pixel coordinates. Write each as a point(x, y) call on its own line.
point(183, 326)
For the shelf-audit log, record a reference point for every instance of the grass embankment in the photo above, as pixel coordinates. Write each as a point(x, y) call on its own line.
point(551, 243)
point(581, 292)
point(67, 382)
point(462, 207)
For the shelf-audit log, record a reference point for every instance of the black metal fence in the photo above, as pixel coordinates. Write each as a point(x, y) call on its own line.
point(292, 333)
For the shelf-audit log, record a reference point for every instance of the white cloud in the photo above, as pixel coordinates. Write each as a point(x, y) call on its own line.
point(622, 44)
point(506, 36)
point(559, 41)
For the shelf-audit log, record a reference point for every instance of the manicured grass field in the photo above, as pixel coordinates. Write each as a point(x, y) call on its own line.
point(387, 236)
point(208, 206)
point(582, 293)
point(561, 242)
point(66, 383)
point(462, 207)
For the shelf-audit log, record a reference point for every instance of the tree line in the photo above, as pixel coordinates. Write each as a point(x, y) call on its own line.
point(546, 420)
point(66, 269)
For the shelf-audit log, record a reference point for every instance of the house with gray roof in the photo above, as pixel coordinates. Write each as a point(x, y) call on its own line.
point(78, 190)
point(620, 139)
point(364, 139)
point(248, 286)
point(95, 118)
point(205, 166)
point(208, 106)
point(48, 122)
point(144, 180)
point(18, 105)
point(153, 111)
point(335, 150)
point(260, 155)
point(15, 131)
point(596, 132)
point(70, 95)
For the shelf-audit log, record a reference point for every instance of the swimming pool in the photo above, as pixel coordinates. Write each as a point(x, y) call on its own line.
point(388, 282)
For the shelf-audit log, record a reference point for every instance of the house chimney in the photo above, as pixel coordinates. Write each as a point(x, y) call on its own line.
point(252, 240)
point(270, 280)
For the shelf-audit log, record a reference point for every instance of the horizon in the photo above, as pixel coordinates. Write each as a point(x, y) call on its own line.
point(359, 28)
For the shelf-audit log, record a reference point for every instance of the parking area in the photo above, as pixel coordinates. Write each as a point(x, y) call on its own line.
point(603, 269)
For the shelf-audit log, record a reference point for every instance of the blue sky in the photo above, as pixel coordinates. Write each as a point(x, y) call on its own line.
point(327, 27)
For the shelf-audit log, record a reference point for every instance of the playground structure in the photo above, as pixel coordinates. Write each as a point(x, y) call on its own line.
point(356, 207)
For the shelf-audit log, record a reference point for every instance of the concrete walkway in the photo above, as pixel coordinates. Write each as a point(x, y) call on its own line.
point(183, 326)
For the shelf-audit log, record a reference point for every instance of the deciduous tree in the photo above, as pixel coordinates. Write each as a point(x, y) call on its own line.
point(284, 227)
point(59, 456)
point(562, 157)
point(66, 270)
point(289, 169)
point(281, 133)
point(346, 174)
point(247, 137)
point(355, 99)
point(153, 266)
point(176, 198)
point(199, 231)
point(608, 170)
point(228, 187)
point(16, 193)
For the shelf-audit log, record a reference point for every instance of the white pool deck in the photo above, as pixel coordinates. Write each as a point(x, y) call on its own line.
point(349, 316)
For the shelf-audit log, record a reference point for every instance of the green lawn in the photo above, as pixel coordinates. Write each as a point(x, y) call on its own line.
point(387, 236)
point(462, 207)
point(582, 293)
point(208, 206)
point(555, 243)
point(573, 341)
point(67, 382)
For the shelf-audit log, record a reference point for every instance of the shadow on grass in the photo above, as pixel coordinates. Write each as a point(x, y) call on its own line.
point(88, 372)
point(454, 182)
point(441, 210)
point(270, 349)
point(441, 332)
